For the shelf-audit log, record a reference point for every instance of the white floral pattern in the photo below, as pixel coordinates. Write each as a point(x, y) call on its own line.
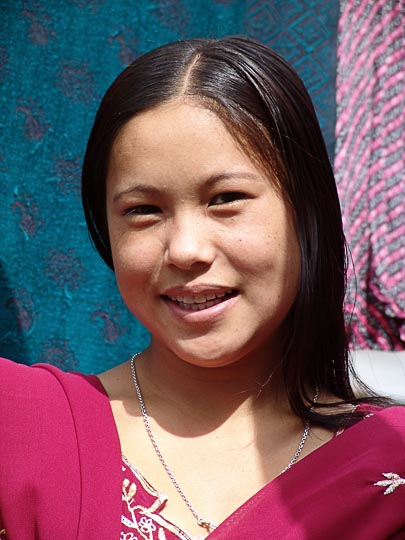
point(141, 518)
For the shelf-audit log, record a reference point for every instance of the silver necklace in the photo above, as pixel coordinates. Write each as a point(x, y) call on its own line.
point(209, 525)
point(303, 438)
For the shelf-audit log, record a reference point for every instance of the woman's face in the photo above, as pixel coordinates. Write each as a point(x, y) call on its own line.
point(204, 248)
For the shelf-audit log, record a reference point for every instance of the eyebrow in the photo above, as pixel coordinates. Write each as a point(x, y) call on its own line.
point(211, 180)
point(215, 178)
point(137, 188)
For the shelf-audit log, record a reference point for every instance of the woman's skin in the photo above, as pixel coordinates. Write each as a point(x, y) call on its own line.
point(206, 257)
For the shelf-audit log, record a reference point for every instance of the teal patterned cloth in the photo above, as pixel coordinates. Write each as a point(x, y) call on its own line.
point(58, 302)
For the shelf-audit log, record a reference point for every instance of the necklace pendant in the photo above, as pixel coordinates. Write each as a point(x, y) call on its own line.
point(206, 524)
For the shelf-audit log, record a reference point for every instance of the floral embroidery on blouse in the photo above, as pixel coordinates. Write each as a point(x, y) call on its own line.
point(141, 518)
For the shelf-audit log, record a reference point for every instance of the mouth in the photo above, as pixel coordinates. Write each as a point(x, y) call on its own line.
point(201, 301)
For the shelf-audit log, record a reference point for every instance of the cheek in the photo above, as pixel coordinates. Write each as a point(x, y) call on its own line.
point(134, 259)
point(272, 252)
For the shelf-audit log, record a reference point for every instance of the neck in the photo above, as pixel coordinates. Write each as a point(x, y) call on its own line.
point(206, 398)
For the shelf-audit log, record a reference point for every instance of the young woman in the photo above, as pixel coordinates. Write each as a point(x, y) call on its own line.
point(207, 189)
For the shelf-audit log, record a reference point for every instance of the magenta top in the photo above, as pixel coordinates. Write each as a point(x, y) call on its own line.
point(62, 475)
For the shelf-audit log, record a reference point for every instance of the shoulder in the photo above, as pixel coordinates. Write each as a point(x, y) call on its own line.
point(42, 382)
point(388, 415)
point(379, 438)
point(41, 404)
point(382, 420)
point(15, 376)
point(390, 419)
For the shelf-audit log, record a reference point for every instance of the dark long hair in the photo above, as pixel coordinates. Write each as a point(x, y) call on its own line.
point(264, 104)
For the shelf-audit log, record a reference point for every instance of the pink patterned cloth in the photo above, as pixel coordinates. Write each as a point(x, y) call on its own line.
point(370, 166)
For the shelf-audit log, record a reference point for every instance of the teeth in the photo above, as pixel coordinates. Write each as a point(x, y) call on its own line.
point(201, 306)
point(201, 298)
point(200, 301)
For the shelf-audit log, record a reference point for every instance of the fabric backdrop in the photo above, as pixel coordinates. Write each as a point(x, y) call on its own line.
point(370, 166)
point(58, 302)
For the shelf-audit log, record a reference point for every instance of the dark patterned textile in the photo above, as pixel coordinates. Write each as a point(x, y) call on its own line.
point(58, 302)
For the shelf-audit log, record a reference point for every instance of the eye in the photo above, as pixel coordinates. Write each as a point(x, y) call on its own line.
point(143, 210)
point(228, 197)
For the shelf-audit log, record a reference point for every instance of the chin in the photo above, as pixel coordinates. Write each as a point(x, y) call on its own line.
point(214, 358)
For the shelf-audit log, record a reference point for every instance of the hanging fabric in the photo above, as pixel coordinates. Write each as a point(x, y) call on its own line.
point(370, 166)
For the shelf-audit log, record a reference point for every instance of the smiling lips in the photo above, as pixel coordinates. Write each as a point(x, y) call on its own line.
point(201, 301)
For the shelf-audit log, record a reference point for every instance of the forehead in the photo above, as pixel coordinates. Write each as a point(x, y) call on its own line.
point(182, 139)
point(166, 122)
point(176, 134)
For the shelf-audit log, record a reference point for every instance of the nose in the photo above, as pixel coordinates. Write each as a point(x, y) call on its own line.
point(189, 242)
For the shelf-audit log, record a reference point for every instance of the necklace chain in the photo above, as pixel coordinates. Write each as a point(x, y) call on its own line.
point(209, 525)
